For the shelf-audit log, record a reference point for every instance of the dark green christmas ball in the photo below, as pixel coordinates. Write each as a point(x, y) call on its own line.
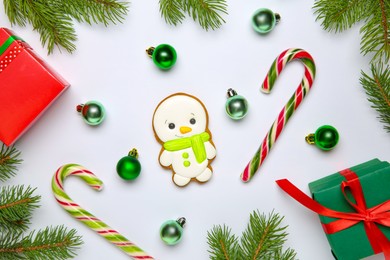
point(164, 56)
point(128, 168)
point(326, 137)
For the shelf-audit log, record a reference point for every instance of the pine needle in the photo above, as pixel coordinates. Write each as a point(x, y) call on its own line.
point(16, 206)
point(49, 243)
point(263, 235)
point(172, 12)
point(377, 88)
point(14, 12)
point(9, 160)
point(376, 31)
point(223, 244)
point(339, 15)
point(52, 19)
point(208, 13)
point(289, 254)
point(95, 11)
point(263, 239)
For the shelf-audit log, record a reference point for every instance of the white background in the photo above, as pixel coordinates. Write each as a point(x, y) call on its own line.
point(110, 65)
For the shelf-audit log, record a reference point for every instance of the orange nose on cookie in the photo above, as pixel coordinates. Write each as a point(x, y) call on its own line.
point(185, 129)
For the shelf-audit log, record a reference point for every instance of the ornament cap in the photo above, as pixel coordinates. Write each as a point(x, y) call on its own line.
point(181, 221)
point(150, 51)
point(310, 138)
point(277, 18)
point(134, 153)
point(231, 93)
point(79, 108)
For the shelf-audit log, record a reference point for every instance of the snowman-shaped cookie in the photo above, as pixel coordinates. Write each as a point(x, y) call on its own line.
point(180, 123)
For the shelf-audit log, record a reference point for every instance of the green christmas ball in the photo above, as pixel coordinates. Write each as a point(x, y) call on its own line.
point(129, 168)
point(236, 106)
point(93, 112)
point(326, 137)
point(264, 20)
point(171, 231)
point(164, 56)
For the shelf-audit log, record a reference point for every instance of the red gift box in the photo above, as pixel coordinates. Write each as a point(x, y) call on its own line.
point(28, 86)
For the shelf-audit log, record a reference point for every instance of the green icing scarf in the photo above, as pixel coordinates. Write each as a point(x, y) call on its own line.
point(196, 142)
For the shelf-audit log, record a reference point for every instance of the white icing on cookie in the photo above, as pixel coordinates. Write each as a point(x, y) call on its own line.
point(180, 123)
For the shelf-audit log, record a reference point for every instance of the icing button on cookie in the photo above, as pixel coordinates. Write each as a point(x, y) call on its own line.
point(180, 124)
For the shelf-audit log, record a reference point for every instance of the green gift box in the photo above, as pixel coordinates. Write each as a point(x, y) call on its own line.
point(354, 208)
point(353, 243)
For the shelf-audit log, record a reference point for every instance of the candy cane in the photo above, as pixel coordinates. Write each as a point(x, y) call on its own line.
point(286, 113)
point(84, 216)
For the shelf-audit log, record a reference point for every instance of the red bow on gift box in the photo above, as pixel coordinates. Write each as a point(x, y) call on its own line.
point(370, 216)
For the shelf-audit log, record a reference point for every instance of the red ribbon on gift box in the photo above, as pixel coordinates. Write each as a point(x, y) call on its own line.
point(370, 216)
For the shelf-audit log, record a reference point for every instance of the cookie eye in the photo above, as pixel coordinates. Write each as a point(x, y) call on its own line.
point(171, 126)
point(192, 121)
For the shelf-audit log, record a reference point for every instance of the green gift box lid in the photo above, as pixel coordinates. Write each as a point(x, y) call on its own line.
point(352, 243)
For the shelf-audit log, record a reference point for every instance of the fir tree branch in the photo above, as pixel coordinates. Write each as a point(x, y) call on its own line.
point(262, 235)
point(50, 243)
point(9, 159)
point(223, 244)
point(53, 25)
point(95, 11)
point(375, 32)
point(14, 12)
point(377, 87)
point(289, 254)
point(172, 12)
point(208, 13)
point(339, 15)
point(53, 18)
point(262, 239)
point(16, 206)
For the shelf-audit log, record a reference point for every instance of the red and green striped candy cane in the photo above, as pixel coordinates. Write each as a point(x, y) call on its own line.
point(84, 216)
point(277, 66)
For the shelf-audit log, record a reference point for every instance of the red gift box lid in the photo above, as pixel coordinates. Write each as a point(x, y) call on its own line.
point(28, 86)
